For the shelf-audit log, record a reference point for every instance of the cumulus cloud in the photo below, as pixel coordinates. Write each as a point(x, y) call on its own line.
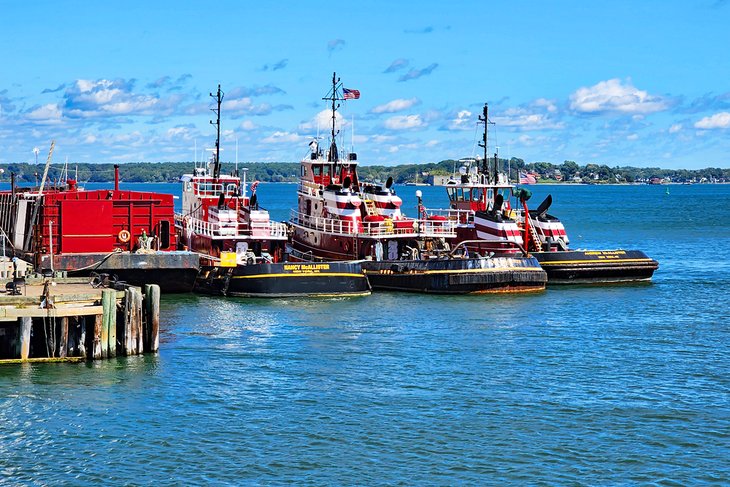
point(617, 97)
point(335, 45)
point(461, 120)
point(46, 114)
point(88, 99)
point(396, 65)
point(717, 121)
point(396, 105)
point(322, 121)
point(404, 122)
point(677, 127)
point(281, 137)
point(417, 73)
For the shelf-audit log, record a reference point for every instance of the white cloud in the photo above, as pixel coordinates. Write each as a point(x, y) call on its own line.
point(614, 96)
point(675, 128)
point(397, 105)
point(46, 114)
point(717, 121)
point(247, 125)
point(322, 122)
point(279, 137)
point(548, 105)
point(632, 137)
point(518, 117)
point(404, 122)
point(462, 121)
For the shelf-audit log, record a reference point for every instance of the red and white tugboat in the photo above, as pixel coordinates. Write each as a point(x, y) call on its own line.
point(243, 252)
point(341, 218)
point(493, 216)
point(108, 234)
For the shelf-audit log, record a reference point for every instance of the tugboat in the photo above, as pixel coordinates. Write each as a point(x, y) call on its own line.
point(243, 252)
point(340, 218)
point(107, 235)
point(480, 201)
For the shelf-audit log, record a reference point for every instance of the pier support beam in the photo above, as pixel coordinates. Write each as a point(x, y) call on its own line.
point(25, 324)
point(63, 338)
point(152, 305)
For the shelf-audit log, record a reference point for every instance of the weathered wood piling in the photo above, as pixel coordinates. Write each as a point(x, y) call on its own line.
point(71, 322)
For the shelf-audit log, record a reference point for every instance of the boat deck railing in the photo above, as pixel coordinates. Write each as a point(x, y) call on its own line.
point(459, 216)
point(386, 228)
point(237, 230)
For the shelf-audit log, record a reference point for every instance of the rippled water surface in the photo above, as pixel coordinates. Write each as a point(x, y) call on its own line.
point(578, 385)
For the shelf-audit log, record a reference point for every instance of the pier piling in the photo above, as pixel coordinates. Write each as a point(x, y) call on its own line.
point(74, 322)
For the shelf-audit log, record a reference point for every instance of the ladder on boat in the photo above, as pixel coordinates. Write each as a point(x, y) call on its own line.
point(534, 236)
point(370, 207)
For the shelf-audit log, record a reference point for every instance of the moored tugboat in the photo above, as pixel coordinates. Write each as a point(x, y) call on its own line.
point(341, 218)
point(492, 215)
point(243, 252)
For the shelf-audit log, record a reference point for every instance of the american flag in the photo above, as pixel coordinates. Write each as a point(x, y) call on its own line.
point(350, 94)
point(253, 186)
point(527, 178)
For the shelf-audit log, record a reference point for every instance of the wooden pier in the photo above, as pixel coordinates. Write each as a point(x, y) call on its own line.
point(69, 320)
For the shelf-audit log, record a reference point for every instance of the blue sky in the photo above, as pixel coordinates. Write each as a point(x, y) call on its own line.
point(612, 82)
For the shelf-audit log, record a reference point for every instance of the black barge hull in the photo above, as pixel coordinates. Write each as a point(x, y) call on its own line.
point(174, 272)
point(508, 274)
point(321, 279)
point(596, 266)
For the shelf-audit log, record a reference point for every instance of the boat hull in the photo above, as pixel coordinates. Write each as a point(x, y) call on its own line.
point(458, 276)
point(284, 280)
point(596, 266)
point(174, 272)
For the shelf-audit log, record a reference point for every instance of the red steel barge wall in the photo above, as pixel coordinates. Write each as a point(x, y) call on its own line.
point(97, 221)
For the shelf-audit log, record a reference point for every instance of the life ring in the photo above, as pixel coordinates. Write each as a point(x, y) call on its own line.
point(124, 236)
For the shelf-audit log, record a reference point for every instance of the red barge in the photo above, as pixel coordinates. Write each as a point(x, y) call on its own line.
point(122, 235)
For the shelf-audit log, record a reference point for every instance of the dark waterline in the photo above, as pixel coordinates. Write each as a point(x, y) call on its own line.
point(585, 385)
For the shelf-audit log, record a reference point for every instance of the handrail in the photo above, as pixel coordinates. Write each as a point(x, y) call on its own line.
point(464, 243)
point(385, 228)
point(236, 230)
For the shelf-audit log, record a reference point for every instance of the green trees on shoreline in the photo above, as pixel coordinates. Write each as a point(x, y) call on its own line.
point(568, 171)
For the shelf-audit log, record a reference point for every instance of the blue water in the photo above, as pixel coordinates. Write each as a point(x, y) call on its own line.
point(621, 385)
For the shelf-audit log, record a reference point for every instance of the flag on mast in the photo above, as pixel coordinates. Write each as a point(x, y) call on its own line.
point(350, 94)
point(527, 178)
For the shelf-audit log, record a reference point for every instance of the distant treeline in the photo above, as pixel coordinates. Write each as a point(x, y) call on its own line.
point(404, 173)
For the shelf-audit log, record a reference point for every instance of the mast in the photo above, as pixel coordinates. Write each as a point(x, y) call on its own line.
point(483, 144)
point(217, 163)
point(332, 155)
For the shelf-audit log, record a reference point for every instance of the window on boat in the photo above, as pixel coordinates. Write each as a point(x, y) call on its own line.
point(490, 195)
point(304, 171)
point(317, 170)
point(452, 193)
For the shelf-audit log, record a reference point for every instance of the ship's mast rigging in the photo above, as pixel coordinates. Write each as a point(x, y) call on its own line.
point(333, 155)
point(216, 161)
point(484, 119)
